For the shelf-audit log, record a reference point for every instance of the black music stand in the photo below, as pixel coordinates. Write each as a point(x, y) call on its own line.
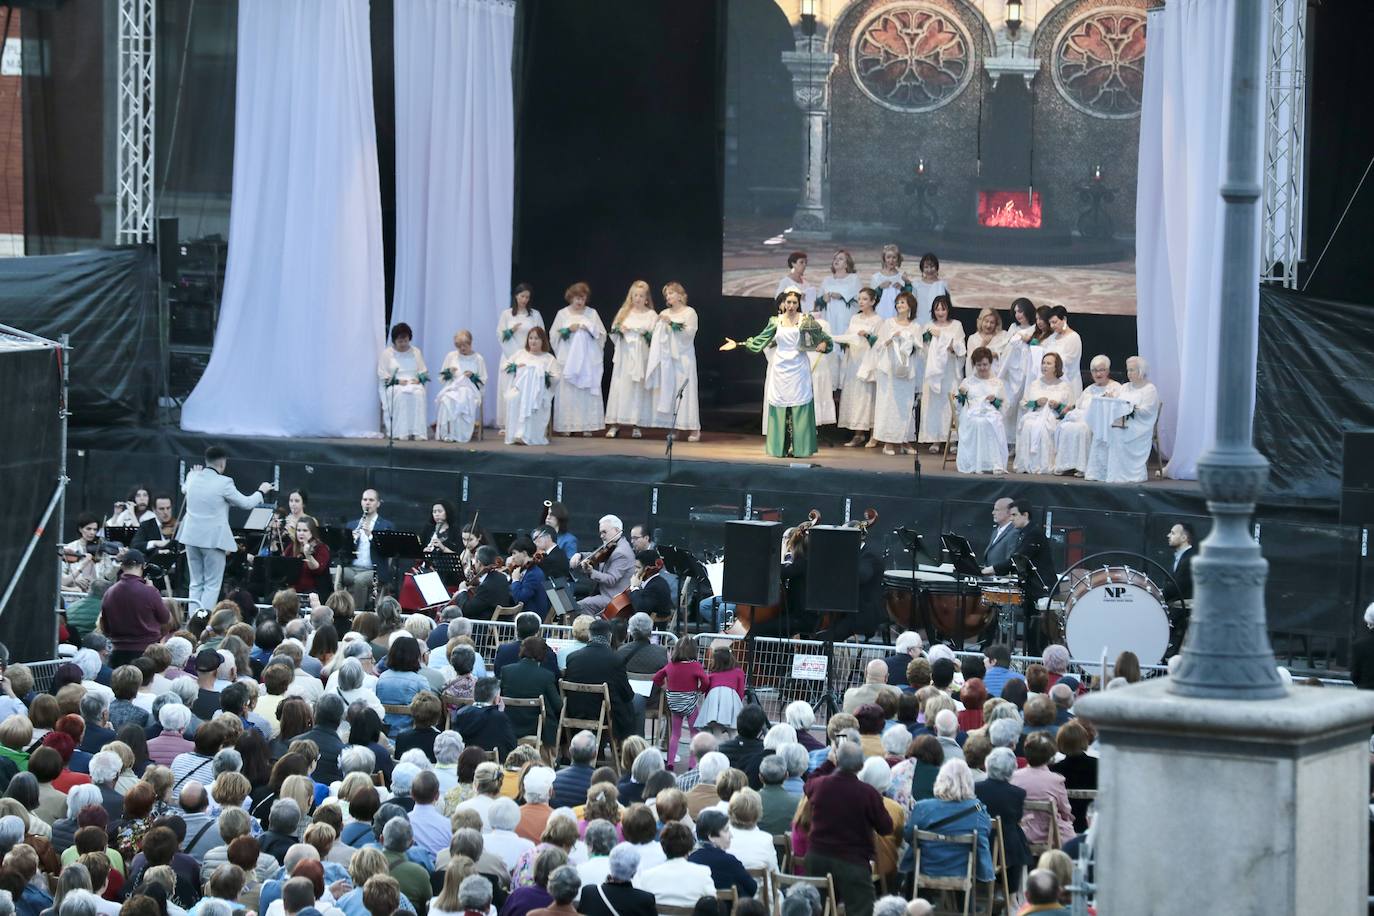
point(124, 534)
point(961, 554)
point(449, 566)
point(338, 539)
point(272, 573)
point(395, 545)
point(683, 565)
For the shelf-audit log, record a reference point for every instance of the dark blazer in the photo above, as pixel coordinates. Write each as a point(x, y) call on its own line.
point(530, 590)
point(1362, 661)
point(486, 727)
point(327, 740)
point(745, 754)
point(896, 668)
point(1032, 545)
point(626, 899)
point(96, 737)
point(597, 664)
point(526, 680)
point(1004, 800)
point(508, 653)
point(1000, 546)
point(726, 870)
point(1182, 586)
point(1079, 772)
point(653, 598)
point(555, 564)
point(492, 592)
point(418, 739)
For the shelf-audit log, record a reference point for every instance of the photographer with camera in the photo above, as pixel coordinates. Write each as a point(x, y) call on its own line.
point(205, 530)
point(132, 613)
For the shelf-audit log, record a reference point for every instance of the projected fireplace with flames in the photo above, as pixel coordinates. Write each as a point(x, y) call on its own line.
point(1009, 209)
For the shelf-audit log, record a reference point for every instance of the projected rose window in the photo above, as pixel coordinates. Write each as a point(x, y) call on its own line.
point(1009, 209)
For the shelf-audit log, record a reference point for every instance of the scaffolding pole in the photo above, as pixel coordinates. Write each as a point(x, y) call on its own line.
point(134, 185)
point(1285, 137)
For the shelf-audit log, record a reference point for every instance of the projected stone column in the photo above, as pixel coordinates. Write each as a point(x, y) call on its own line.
point(810, 66)
point(1220, 789)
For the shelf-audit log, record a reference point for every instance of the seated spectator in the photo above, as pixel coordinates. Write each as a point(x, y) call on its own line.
point(955, 809)
point(487, 785)
point(778, 806)
point(1077, 767)
point(530, 678)
point(600, 839)
point(908, 647)
point(1040, 784)
point(703, 795)
point(639, 827)
point(431, 827)
point(802, 717)
point(924, 757)
point(426, 714)
point(527, 624)
point(484, 724)
point(972, 695)
point(1063, 696)
point(678, 881)
point(715, 839)
point(617, 894)
point(539, 782)
point(412, 877)
point(1042, 893)
point(571, 783)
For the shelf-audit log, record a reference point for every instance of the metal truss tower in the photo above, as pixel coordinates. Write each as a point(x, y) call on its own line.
point(134, 185)
point(1285, 136)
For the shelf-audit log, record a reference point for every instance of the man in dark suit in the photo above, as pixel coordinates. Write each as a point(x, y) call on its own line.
point(1031, 544)
point(484, 724)
point(97, 715)
point(492, 591)
point(596, 663)
point(1181, 538)
point(653, 596)
point(555, 563)
point(527, 624)
point(745, 750)
point(1004, 800)
point(1003, 534)
point(329, 713)
point(528, 679)
point(617, 896)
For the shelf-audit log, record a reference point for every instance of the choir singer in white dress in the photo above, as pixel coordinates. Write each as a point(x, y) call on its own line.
point(945, 349)
point(982, 432)
point(892, 364)
point(511, 329)
point(988, 333)
point(928, 287)
point(401, 380)
point(529, 377)
point(795, 278)
point(464, 375)
point(632, 330)
point(1018, 365)
point(1076, 451)
point(889, 281)
point(1047, 400)
point(673, 365)
point(1066, 342)
point(840, 292)
point(1129, 439)
point(825, 371)
point(857, 394)
point(579, 338)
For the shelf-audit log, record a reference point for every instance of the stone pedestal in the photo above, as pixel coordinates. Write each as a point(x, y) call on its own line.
point(1231, 807)
point(810, 67)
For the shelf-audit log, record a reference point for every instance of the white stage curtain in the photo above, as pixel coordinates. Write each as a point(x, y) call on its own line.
point(1179, 219)
point(301, 319)
point(455, 175)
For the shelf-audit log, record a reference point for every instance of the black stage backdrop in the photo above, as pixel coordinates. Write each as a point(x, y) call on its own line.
point(106, 299)
point(29, 465)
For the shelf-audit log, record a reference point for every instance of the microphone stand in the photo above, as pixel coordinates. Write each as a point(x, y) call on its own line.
point(916, 425)
point(391, 424)
point(672, 429)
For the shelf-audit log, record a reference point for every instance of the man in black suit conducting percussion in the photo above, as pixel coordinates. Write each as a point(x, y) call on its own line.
point(1031, 543)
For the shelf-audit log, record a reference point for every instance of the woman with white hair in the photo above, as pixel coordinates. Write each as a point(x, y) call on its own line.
point(448, 747)
point(502, 817)
point(646, 763)
point(617, 894)
point(1130, 438)
point(778, 735)
point(1078, 449)
point(878, 774)
point(350, 683)
point(798, 763)
point(955, 809)
point(1004, 800)
point(801, 717)
point(895, 741)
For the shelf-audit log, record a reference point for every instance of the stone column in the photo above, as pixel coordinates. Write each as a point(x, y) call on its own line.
point(810, 66)
point(1219, 788)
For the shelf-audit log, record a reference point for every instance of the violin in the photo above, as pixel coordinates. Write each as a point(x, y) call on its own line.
point(603, 553)
point(475, 575)
point(536, 559)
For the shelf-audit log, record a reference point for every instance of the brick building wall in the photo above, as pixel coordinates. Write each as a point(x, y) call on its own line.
point(11, 144)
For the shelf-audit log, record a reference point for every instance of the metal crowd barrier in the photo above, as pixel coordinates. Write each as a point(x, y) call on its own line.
point(488, 634)
point(43, 673)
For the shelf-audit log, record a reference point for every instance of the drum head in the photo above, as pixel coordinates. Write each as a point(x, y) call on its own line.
point(1115, 617)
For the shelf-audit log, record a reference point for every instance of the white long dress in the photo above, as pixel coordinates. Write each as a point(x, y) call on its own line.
point(403, 406)
point(1075, 449)
point(1036, 429)
point(840, 311)
point(997, 344)
point(1015, 370)
point(982, 432)
point(942, 373)
point(857, 394)
point(1069, 346)
point(925, 294)
point(808, 292)
point(577, 406)
point(1128, 448)
point(825, 376)
point(893, 363)
point(887, 299)
point(673, 364)
point(511, 331)
point(788, 383)
point(630, 401)
point(460, 399)
point(529, 395)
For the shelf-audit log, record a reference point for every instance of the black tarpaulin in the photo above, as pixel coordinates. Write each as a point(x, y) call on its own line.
point(106, 300)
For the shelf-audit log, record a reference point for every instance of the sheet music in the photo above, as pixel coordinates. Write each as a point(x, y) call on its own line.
point(431, 587)
point(258, 518)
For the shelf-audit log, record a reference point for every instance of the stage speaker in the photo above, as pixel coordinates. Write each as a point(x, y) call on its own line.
point(753, 562)
point(1357, 478)
point(168, 248)
point(1357, 508)
point(832, 569)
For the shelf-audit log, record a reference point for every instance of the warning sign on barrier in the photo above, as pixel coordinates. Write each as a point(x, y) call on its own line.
point(809, 667)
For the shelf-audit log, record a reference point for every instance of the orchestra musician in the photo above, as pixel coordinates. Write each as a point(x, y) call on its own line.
point(314, 575)
point(1032, 544)
point(1004, 533)
point(358, 576)
point(528, 584)
point(282, 529)
point(86, 557)
point(474, 537)
point(158, 534)
point(487, 587)
point(652, 594)
point(439, 536)
point(612, 575)
point(555, 563)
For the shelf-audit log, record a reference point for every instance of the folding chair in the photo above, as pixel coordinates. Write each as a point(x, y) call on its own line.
point(1154, 446)
point(728, 896)
point(782, 845)
point(825, 884)
point(999, 865)
point(600, 726)
point(1048, 807)
point(965, 883)
point(949, 433)
point(508, 613)
point(655, 713)
point(761, 878)
point(529, 703)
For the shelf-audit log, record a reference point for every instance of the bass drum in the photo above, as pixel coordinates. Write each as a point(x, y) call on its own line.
point(1113, 610)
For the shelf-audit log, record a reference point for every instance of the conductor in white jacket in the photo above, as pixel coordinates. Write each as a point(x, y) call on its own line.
point(205, 524)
